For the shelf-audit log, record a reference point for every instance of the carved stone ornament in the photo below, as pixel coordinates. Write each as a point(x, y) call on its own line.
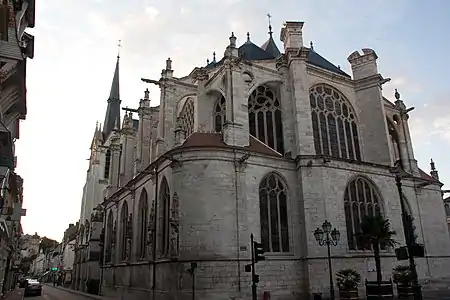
point(201, 75)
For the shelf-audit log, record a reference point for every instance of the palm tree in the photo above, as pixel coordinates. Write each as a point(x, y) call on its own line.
point(376, 231)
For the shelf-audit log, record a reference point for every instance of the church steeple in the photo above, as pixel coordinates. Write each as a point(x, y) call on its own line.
point(112, 116)
point(269, 46)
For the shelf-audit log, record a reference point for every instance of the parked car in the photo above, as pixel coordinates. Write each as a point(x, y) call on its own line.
point(32, 287)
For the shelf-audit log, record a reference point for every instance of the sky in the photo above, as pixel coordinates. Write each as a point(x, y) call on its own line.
point(70, 77)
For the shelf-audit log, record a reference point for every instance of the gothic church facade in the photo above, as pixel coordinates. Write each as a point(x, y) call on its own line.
point(258, 142)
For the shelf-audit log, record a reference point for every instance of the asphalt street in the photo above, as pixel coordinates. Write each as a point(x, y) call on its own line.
point(51, 293)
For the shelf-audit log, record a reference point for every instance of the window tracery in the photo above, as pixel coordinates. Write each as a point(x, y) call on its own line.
point(273, 214)
point(334, 123)
point(220, 116)
point(361, 199)
point(124, 231)
point(187, 117)
point(265, 117)
point(143, 220)
point(165, 200)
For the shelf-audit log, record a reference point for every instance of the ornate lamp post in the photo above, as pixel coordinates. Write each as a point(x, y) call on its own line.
point(400, 173)
point(325, 236)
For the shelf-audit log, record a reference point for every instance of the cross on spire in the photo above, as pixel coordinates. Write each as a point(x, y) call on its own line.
point(269, 16)
point(119, 45)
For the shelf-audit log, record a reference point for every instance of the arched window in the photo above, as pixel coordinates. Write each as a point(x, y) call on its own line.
point(123, 230)
point(264, 117)
point(109, 237)
point(187, 116)
point(107, 164)
point(361, 199)
point(393, 142)
point(273, 214)
point(143, 220)
point(334, 123)
point(220, 115)
point(165, 202)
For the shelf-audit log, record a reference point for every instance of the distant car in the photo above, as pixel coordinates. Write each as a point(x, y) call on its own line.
point(32, 287)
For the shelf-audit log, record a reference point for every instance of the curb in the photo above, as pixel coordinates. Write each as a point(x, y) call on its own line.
point(77, 292)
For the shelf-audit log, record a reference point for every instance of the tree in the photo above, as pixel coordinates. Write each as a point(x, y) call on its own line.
point(376, 231)
point(46, 244)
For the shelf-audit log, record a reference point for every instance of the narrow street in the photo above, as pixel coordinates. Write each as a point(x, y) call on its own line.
point(51, 293)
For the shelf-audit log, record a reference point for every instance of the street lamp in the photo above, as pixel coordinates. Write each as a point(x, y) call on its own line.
point(400, 173)
point(326, 236)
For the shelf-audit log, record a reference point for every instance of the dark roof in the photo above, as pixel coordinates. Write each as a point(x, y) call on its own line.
point(206, 139)
point(270, 47)
point(269, 50)
point(250, 51)
point(317, 60)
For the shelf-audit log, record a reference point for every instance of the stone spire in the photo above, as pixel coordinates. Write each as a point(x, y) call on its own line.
point(434, 173)
point(112, 117)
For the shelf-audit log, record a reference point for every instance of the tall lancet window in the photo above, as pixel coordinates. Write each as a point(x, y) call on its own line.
point(393, 141)
point(123, 230)
point(187, 116)
point(334, 123)
point(361, 199)
point(107, 164)
point(143, 220)
point(264, 117)
point(273, 214)
point(220, 115)
point(164, 197)
point(109, 237)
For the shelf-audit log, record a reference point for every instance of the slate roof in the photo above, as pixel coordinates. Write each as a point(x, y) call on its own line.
point(112, 116)
point(317, 60)
point(269, 50)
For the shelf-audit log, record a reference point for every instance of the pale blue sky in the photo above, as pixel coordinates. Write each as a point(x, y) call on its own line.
point(75, 52)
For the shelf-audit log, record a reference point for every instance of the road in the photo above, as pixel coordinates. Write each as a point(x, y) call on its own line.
point(51, 293)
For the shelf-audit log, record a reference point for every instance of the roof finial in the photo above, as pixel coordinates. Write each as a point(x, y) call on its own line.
point(433, 167)
point(397, 94)
point(119, 45)
point(312, 45)
point(96, 125)
point(232, 40)
point(207, 61)
point(169, 64)
point(146, 94)
point(248, 36)
point(214, 56)
point(269, 16)
point(434, 173)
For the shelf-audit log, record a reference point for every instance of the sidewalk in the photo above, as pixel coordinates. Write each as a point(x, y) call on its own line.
point(17, 294)
point(75, 292)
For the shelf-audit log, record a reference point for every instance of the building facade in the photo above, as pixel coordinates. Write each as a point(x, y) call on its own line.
point(16, 46)
point(260, 142)
point(30, 245)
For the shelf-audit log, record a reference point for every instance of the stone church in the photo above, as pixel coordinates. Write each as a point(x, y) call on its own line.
point(261, 141)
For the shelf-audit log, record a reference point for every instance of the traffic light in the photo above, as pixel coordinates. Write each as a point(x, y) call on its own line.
point(259, 252)
point(256, 278)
